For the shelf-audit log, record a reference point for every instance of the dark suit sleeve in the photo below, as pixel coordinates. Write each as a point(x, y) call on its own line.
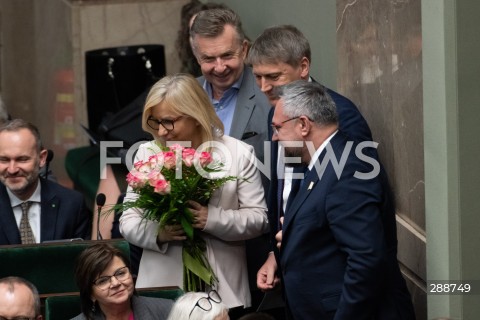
point(353, 213)
point(269, 123)
point(350, 120)
point(83, 221)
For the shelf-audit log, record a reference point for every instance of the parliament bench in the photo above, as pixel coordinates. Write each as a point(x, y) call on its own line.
point(49, 266)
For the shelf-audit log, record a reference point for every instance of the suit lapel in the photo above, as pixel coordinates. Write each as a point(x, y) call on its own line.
point(307, 187)
point(7, 219)
point(245, 105)
point(312, 179)
point(49, 213)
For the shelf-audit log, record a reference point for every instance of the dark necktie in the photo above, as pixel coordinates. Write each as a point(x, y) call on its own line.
point(281, 184)
point(26, 233)
point(296, 184)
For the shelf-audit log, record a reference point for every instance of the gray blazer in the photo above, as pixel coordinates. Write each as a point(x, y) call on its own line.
point(250, 119)
point(250, 124)
point(144, 308)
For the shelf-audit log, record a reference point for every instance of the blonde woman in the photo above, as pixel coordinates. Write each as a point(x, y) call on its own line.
point(178, 109)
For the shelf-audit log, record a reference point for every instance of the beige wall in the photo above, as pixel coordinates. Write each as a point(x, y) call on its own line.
point(42, 54)
point(314, 18)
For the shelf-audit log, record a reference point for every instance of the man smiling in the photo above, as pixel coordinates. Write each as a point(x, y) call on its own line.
point(220, 46)
point(32, 209)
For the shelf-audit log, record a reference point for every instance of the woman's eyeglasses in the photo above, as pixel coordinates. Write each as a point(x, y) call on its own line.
point(168, 124)
point(104, 282)
point(205, 303)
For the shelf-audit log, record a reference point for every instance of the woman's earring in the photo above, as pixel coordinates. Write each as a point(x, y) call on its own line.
point(93, 307)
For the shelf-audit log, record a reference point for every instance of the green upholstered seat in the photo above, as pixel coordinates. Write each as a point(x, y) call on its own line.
point(62, 307)
point(171, 293)
point(50, 266)
point(83, 167)
point(67, 307)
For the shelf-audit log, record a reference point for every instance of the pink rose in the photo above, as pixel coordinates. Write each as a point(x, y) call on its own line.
point(188, 156)
point(205, 158)
point(137, 165)
point(156, 161)
point(162, 187)
point(169, 159)
point(143, 166)
point(176, 148)
point(136, 179)
point(154, 176)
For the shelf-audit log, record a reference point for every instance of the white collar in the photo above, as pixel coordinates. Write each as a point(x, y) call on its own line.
point(319, 150)
point(35, 197)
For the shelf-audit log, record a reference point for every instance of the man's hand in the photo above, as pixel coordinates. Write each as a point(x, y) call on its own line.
point(278, 236)
point(266, 276)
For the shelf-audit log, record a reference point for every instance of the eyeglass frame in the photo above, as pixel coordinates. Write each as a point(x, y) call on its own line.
point(162, 122)
point(109, 282)
point(209, 298)
point(277, 127)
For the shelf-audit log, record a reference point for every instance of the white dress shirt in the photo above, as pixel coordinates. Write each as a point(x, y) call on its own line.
point(33, 211)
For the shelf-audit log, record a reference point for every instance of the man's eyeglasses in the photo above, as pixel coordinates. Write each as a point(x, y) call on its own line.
point(168, 124)
point(277, 127)
point(104, 282)
point(205, 303)
point(17, 318)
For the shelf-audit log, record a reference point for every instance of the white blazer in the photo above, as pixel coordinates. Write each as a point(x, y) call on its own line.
point(236, 212)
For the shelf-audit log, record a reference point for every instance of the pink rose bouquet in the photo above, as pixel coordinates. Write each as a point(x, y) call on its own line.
point(164, 183)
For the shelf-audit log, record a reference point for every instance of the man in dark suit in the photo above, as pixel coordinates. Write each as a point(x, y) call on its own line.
point(220, 46)
point(281, 55)
point(337, 251)
point(52, 212)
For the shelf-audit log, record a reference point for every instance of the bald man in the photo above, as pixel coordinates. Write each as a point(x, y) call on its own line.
point(19, 299)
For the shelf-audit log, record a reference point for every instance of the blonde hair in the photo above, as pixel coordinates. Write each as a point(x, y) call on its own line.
point(184, 95)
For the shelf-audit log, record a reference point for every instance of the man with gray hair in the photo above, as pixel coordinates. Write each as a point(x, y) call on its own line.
point(280, 55)
point(337, 243)
point(19, 299)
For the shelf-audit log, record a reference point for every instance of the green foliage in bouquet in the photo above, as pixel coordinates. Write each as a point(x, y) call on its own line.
point(164, 184)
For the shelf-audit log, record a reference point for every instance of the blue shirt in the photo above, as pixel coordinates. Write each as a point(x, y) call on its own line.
point(225, 107)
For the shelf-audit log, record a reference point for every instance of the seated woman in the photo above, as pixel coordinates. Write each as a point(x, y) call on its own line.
point(199, 306)
point(107, 289)
point(178, 109)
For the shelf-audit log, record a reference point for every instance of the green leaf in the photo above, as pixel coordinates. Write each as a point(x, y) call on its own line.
point(196, 266)
point(187, 226)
